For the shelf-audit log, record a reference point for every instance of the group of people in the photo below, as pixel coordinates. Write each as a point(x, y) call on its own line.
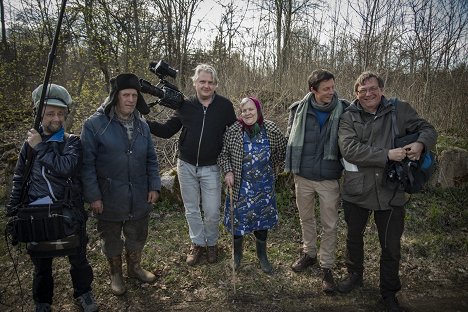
point(116, 167)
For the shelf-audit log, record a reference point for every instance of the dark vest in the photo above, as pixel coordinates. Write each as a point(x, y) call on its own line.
point(313, 166)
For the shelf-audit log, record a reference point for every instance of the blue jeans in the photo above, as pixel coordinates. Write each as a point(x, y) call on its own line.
point(205, 181)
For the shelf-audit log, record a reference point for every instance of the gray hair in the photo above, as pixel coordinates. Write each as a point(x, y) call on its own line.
point(206, 68)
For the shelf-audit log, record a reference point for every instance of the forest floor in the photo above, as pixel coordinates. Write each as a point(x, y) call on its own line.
point(434, 267)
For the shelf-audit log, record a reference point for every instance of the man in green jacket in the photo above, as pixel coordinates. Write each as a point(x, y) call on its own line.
point(365, 138)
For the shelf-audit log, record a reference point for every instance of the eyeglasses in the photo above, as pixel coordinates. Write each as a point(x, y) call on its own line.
point(59, 114)
point(370, 90)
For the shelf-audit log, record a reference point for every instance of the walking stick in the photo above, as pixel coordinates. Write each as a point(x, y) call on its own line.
point(232, 241)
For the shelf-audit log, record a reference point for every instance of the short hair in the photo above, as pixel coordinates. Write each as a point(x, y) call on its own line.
point(318, 76)
point(366, 76)
point(206, 68)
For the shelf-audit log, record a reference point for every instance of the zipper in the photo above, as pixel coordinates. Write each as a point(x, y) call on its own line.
point(49, 186)
point(129, 156)
point(201, 134)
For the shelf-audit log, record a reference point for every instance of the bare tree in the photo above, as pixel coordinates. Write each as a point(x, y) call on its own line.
point(2, 19)
point(438, 27)
point(177, 28)
point(371, 15)
point(413, 43)
point(231, 24)
point(286, 14)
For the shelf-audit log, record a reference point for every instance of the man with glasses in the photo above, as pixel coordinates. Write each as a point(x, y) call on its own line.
point(366, 144)
point(53, 177)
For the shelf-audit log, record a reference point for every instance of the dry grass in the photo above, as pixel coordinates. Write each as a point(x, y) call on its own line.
point(434, 268)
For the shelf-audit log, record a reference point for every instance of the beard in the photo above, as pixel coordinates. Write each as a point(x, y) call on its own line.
point(52, 127)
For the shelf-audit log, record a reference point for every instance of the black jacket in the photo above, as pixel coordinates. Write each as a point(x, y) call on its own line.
point(201, 139)
point(54, 161)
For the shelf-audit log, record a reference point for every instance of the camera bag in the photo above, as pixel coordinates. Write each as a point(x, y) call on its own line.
point(410, 175)
point(50, 230)
point(414, 174)
point(47, 222)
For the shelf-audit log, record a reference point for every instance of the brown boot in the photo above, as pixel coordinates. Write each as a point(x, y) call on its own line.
point(303, 262)
point(328, 282)
point(117, 282)
point(194, 254)
point(135, 270)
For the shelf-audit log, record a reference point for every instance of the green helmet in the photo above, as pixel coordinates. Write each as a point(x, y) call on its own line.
point(55, 96)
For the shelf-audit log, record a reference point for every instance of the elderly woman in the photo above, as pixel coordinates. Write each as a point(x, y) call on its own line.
point(253, 149)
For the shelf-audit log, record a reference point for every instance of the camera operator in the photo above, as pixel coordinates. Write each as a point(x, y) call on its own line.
point(365, 138)
point(203, 119)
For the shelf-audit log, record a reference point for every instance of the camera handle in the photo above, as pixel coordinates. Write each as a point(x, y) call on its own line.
point(164, 82)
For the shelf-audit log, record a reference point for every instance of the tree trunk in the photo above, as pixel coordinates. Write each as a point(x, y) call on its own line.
point(2, 18)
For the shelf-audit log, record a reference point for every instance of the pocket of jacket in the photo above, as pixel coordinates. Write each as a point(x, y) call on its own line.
point(353, 183)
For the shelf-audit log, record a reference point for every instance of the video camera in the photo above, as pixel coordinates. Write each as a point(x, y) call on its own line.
point(168, 94)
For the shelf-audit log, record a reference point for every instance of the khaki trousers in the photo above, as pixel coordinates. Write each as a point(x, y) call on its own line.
point(328, 192)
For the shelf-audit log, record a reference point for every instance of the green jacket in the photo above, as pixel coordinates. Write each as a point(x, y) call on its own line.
point(365, 139)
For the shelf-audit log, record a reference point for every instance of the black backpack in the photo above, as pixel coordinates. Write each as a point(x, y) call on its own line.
point(410, 175)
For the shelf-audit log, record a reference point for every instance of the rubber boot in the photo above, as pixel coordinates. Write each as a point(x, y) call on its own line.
point(117, 282)
point(238, 252)
point(262, 256)
point(135, 270)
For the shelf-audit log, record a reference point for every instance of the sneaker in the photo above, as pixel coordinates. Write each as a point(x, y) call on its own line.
point(392, 305)
point(303, 262)
point(194, 254)
point(328, 282)
point(87, 302)
point(212, 254)
point(43, 307)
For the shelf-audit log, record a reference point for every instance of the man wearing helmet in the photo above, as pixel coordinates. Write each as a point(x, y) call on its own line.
point(56, 161)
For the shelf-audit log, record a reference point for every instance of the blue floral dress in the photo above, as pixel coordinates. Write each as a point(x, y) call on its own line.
point(255, 208)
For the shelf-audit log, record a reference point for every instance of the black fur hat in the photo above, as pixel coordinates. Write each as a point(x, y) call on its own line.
point(121, 82)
